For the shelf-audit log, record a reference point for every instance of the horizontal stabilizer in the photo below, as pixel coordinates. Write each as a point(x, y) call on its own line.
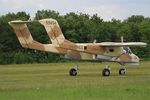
point(21, 22)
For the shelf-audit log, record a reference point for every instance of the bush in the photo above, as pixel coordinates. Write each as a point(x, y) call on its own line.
point(20, 58)
point(6, 58)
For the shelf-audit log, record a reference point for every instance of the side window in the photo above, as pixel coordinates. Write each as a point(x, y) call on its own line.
point(85, 47)
point(111, 50)
point(128, 51)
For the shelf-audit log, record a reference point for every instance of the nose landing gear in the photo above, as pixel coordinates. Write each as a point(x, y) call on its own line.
point(122, 71)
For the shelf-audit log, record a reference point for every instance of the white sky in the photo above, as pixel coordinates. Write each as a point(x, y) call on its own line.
point(106, 9)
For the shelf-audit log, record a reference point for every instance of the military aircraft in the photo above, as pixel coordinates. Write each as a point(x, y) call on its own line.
point(104, 51)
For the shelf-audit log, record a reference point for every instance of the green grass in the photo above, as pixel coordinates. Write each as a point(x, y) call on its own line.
point(52, 82)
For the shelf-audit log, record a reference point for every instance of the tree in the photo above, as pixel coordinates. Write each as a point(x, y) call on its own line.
point(79, 27)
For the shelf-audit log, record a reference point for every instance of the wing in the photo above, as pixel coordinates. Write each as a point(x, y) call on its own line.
point(118, 44)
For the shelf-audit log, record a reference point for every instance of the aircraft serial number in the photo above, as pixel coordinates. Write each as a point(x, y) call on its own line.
point(50, 22)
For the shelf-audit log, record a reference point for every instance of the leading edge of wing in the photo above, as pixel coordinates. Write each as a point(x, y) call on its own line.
point(116, 44)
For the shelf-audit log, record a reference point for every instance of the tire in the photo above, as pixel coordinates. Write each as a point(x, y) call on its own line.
point(106, 72)
point(122, 71)
point(73, 72)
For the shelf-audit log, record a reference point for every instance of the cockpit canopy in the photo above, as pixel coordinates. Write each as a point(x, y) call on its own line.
point(127, 50)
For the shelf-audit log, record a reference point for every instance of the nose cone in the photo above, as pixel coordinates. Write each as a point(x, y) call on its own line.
point(135, 58)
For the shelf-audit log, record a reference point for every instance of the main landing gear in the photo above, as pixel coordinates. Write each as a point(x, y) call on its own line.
point(105, 71)
point(73, 71)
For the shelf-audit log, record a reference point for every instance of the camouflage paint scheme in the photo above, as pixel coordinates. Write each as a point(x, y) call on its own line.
point(107, 51)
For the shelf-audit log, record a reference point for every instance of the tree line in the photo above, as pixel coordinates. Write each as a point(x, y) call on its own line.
point(80, 28)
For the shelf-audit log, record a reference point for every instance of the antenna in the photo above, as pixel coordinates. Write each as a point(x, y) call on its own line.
point(121, 39)
point(94, 41)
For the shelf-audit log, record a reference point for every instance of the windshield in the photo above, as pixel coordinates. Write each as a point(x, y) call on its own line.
point(127, 50)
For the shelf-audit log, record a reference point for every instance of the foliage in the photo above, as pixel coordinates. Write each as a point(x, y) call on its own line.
point(77, 28)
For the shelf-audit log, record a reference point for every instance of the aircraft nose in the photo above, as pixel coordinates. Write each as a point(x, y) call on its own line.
point(135, 58)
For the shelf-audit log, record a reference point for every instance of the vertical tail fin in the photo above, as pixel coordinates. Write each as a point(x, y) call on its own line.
point(24, 36)
point(22, 32)
point(54, 32)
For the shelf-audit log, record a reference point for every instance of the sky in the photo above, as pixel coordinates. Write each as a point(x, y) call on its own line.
point(106, 9)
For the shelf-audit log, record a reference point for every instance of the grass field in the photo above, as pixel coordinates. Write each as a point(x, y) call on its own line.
point(52, 82)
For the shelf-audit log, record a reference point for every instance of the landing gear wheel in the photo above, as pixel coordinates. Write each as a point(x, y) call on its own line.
point(106, 72)
point(122, 71)
point(73, 72)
